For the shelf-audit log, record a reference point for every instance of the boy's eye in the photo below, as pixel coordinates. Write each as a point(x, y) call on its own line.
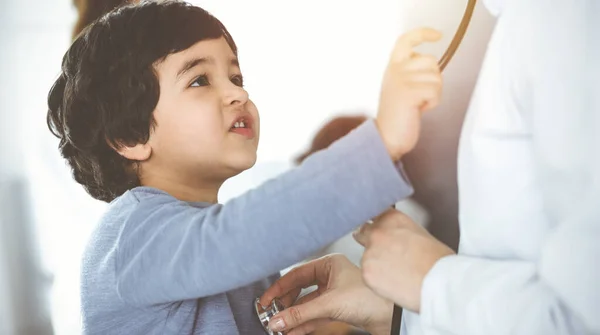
point(200, 81)
point(238, 80)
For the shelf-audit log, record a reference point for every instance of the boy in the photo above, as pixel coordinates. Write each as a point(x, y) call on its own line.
point(152, 117)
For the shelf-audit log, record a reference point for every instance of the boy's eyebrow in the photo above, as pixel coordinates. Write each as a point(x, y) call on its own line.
point(190, 64)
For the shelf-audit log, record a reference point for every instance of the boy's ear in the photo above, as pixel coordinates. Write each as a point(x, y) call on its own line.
point(139, 152)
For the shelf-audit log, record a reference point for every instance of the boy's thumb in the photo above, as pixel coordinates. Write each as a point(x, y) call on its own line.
point(297, 315)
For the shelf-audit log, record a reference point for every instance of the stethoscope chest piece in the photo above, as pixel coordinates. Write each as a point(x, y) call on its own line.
point(265, 314)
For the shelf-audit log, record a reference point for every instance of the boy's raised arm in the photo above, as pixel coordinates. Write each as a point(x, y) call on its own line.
point(186, 252)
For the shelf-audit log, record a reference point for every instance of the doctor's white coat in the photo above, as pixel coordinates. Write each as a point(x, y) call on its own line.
point(529, 183)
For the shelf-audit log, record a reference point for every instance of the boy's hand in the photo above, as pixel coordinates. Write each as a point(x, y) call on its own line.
point(412, 84)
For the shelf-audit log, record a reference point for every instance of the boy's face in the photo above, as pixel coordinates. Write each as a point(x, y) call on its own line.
point(206, 127)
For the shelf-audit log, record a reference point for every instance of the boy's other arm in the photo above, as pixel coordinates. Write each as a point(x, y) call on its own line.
point(170, 251)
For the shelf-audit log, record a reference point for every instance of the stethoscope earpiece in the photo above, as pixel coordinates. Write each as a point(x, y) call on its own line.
point(265, 314)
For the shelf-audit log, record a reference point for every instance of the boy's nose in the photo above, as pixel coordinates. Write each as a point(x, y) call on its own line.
point(234, 94)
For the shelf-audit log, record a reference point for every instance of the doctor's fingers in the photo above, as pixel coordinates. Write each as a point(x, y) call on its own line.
point(289, 285)
point(302, 317)
point(295, 297)
point(309, 327)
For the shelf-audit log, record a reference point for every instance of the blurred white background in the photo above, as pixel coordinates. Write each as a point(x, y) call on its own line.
point(303, 62)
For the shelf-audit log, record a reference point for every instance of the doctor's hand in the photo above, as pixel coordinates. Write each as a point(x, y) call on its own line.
point(341, 295)
point(398, 255)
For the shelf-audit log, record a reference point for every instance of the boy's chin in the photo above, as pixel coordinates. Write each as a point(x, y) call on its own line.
point(242, 163)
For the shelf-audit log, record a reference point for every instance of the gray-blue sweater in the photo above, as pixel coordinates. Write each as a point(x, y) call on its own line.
point(157, 265)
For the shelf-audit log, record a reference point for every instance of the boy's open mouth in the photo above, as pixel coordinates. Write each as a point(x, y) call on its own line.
point(239, 124)
point(242, 126)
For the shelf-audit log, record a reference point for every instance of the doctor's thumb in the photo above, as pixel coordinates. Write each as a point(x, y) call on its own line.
point(297, 315)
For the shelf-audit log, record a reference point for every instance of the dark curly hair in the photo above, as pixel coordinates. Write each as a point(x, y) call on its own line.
point(107, 90)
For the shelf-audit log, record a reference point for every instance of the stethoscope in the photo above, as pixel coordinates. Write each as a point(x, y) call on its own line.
point(265, 314)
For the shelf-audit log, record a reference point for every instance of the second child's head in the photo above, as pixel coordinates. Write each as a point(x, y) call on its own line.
point(152, 94)
point(331, 132)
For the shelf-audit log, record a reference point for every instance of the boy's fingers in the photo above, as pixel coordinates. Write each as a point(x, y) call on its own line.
point(362, 234)
point(425, 77)
point(406, 43)
point(431, 104)
point(422, 63)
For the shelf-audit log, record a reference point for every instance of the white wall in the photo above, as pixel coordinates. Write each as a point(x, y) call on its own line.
point(306, 61)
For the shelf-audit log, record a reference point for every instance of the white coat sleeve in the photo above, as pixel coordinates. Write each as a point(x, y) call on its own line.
point(559, 293)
